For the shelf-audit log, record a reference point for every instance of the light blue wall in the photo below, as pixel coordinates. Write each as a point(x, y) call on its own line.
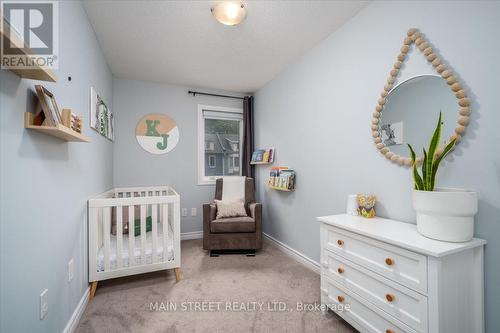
point(133, 166)
point(317, 114)
point(45, 183)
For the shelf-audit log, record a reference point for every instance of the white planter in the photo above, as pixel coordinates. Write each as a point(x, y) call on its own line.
point(446, 214)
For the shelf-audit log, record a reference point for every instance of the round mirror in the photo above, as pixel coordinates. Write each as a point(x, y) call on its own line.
point(411, 112)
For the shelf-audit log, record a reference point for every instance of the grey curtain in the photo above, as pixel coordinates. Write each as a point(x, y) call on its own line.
point(248, 169)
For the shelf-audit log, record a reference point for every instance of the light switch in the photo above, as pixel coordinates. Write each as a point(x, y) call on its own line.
point(70, 270)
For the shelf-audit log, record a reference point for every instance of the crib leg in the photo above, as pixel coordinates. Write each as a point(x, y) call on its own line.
point(177, 271)
point(93, 289)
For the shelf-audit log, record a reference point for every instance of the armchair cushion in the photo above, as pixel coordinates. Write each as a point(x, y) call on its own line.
point(230, 209)
point(233, 224)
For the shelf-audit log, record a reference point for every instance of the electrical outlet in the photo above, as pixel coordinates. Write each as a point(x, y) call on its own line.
point(184, 212)
point(193, 212)
point(44, 304)
point(70, 270)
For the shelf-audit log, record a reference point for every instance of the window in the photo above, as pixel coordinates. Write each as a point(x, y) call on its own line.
point(211, 161)
point(234, 163)
point(220, 133)
point(209, 145)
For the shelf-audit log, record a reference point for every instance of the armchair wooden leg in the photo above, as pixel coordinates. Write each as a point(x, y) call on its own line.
point(177, 274)
point(93, 289)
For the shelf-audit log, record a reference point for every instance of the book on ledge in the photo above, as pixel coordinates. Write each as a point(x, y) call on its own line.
point(282, 178)
point(262, 156)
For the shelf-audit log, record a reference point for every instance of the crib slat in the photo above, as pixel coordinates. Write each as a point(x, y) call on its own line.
point(93, 242)
point(165, 231)
point(143, 234)
point(177, 231)
point(119, 236)
point(107, 236)
point(154, 233)
point(131, 237)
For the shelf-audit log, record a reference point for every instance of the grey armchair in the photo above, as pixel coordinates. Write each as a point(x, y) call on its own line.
point(233, 233)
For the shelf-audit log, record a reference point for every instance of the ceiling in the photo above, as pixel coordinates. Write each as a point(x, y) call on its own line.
point(180, 42)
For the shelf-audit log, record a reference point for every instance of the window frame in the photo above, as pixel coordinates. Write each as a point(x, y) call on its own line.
point(210, 180)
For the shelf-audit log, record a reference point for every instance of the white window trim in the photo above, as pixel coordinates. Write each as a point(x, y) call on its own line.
point(202, 179)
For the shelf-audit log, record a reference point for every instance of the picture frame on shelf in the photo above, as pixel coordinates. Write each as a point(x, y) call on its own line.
point(48, 111)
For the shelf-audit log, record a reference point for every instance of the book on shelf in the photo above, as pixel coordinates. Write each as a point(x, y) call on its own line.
point(71, 120)
point(282, 178)
point(262, 156)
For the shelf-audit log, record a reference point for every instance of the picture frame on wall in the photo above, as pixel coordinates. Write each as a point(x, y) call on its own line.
point(101, 117)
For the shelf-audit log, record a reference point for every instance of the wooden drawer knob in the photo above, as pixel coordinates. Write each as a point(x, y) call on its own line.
point(340, 270)
point(340, 242)
point(390, 297)
point(389, 261)
point(340, 298)
point(389, 331)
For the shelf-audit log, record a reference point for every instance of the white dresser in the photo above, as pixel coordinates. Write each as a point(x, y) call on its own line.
point(392, 279)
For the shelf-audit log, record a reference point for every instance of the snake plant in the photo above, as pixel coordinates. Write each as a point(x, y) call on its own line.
point(432, 158)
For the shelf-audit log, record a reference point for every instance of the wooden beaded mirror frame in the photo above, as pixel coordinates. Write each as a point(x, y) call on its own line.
point(414, 36)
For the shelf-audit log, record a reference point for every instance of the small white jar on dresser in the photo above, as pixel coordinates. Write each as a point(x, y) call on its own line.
point(381, 275)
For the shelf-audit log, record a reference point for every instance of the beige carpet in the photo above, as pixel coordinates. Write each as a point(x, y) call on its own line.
point(123, 305)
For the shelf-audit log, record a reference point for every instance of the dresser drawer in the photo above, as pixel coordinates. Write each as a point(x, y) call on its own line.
point(402, 303)
point(369, 318)
point(400, 265)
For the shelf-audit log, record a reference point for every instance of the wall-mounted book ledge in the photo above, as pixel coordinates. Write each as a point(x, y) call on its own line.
point(34, 73)
point(282, 179)
point(281, 188)
point(59, 130)
point(263, 156)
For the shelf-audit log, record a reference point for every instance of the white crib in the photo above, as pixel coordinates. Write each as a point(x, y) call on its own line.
point(119, 254)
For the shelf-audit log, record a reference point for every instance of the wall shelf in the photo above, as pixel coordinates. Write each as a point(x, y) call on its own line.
point(36, 73)
point(281, 189)
point(59, 131)
point(263, 156)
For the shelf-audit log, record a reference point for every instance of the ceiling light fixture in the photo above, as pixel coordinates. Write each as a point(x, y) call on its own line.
point(229, 12)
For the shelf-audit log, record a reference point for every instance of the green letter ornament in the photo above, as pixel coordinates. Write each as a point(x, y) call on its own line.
point(152, 127)
point(163, 145)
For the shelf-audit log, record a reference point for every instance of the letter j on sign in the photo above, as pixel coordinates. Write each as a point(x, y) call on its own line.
point(157, 133)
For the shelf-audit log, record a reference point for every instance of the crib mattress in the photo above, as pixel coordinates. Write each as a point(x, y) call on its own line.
point(137, 250)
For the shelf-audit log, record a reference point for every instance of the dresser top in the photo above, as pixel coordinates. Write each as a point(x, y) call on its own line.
point(401, 234)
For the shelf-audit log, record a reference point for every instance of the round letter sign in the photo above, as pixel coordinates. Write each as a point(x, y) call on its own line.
point(157, 133)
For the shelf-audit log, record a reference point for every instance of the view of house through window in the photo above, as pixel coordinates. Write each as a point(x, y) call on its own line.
point(222, 133)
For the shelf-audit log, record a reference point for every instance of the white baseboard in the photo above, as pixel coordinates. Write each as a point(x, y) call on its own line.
point(77, 314)
point(303, 259)
point(192, 235)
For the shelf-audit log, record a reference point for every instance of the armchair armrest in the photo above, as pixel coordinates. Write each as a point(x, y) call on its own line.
point(256, 213)
point(255, 209)
point(209, 214)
